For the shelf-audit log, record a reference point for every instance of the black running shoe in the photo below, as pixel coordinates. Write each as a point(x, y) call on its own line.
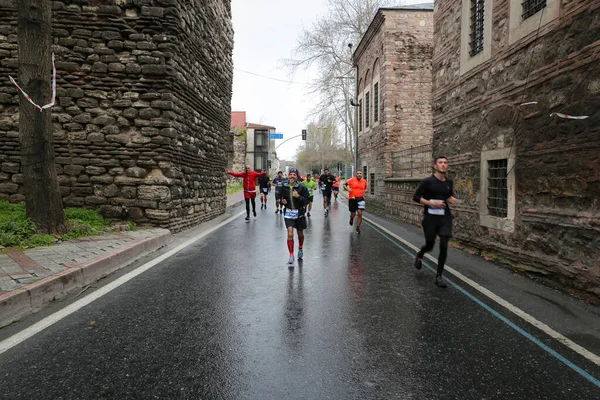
point(440, 282)
point(247, 218)
point(351, 221)
point(418, 263)
point(358, 231)
point(254, 213)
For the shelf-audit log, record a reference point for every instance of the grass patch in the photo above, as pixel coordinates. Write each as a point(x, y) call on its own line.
point(16, 230)
point(235, 189)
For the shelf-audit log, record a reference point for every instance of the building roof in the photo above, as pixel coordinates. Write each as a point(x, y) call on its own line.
point(412, 7)
point(378, 20)
point(258, 126)
point(238, 119)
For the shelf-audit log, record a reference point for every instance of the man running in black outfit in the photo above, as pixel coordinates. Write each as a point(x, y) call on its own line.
point(326, 180)
point(435, 192)
point(295, 198)
point(264, 182)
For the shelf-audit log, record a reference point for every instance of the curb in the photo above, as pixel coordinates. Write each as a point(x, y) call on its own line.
point(30, 299)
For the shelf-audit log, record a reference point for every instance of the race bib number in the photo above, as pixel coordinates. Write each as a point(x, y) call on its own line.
point(291, 214)
point(361, 204)
point(310, 192)
point(437, 211)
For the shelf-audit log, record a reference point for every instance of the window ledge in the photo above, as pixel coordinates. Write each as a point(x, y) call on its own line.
point(502, 224)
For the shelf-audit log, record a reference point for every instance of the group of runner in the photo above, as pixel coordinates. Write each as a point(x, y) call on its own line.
point(294, 197)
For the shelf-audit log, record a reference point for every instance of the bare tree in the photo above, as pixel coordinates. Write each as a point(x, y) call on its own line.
point(43, 201)
point(325, 46)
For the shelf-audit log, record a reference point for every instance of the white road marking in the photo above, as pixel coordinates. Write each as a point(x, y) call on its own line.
point(68, 310)
point(510, 307)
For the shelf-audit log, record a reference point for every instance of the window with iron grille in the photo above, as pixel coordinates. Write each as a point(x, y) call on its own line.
point(367, 109)
point(365, 171)
point(372, 184)
point(376, 102)
point(360, 115)
point(477, 17)
point(497, 203)
point(531, 7)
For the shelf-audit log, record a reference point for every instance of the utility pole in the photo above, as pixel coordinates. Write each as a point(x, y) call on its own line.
point(43, 201)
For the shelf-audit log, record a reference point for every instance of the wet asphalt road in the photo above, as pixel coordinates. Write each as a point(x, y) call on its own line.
point(227, 319)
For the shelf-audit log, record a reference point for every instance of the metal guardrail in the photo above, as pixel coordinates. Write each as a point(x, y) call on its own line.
point(412, 162)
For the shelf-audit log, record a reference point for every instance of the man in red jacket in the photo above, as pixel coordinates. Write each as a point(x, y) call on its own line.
point(249, 187)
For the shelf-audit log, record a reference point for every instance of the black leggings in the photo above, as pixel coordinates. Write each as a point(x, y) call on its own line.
point(443, 251)
point(248, 206)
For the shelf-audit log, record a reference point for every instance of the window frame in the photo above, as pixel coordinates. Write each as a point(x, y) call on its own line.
point(367, 109)
point(507, 223)
point(375, 103)
point(468, 61)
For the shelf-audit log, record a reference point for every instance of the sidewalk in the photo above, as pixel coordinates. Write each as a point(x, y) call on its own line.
point(31, 279)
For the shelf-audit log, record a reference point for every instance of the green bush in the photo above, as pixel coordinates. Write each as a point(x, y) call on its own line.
point(18, 230)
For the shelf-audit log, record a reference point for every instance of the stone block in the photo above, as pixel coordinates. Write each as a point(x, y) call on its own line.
point(109, 9)
point(95, 200)
point(129, 192)
point(82, 191)
point(110, 130)
point(100, 67)
point(135, 213)
point(136, 172)
point(113, 211)
point(104, 179)
point(162, 105)
point(93, 170)
point(103, 120)
point(67, 66)
point(73, 201)
point(145, 46)
point(106, 191)
point(116, 67)
point(149, 113)
point(133, 68)
point(155, 12)
point(130, 113)
point(148, 60)
point(152, 69)
point(9, 188)
point(160, 215)
point(84, 118)
point(76, 93)
point(115, 44)
point(87, 102)
point(73, 170)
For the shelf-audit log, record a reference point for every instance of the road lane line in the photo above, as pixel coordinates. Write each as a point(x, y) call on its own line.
point(68, 310)
point(528, 318)
point(488, 293)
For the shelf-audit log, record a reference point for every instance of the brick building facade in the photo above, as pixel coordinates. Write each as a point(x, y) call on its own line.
point(528, 182)
point(143, 107)
point(393, 62)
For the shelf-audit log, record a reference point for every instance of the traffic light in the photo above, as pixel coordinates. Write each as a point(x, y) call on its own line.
point(303, 134)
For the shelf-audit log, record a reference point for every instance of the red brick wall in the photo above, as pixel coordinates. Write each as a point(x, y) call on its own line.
point(400, 44)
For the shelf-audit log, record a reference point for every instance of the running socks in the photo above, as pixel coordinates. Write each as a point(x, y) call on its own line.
point(291, 246)
point(300, 242)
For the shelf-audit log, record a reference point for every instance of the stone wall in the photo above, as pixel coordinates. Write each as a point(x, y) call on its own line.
point(557, 170)
point(236, 154)
point(396, 51)
point(143, 107)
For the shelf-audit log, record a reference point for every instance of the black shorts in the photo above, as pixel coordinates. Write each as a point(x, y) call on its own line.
point(335, 189)
point(311, 198)
point(277, 195)
point(353, 204)
point(262, 191)
point(434, 225)
point(326, 193)
point(299, 223)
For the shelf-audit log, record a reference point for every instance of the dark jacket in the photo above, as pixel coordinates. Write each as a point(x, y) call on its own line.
point(299, 203)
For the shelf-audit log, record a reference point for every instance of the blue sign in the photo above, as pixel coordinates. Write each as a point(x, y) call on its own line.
point(276, 136)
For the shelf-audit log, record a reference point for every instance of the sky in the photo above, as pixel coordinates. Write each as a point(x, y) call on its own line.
point(266, 33)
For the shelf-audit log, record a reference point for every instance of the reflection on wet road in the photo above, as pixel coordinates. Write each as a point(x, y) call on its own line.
point(226, 318)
